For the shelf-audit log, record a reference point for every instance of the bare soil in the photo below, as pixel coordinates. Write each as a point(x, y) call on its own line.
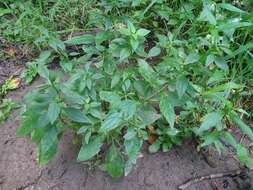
point(12, 59)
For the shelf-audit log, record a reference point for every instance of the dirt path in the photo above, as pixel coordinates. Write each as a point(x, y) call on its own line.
point(162, 171)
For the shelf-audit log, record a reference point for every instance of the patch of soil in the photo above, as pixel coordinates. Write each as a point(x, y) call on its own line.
point(12, 59)
point(161, 171)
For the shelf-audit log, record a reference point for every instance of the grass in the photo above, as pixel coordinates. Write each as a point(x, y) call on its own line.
point(34, 21)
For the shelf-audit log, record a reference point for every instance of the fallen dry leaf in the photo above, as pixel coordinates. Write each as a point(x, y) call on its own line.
point(151, 128)
point(177, 119)
point(10, 51)
point(13, 83)
point(152, 139)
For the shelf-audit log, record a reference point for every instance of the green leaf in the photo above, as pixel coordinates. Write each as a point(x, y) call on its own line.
point(72, 97)
point(5, 11)
point(131, 27)
point(140, 51)
point(210, 120)
point(53, 112)
point(243, 156)
point(172, 132)
point(223, 87)
point(207, 15)
point(131, 133)
point(56, 44)
point(43, 71)
point(181, 86)
point(132, 147)
point(112, 97)
point(115, 80)
point(155, 51)
point(82, 130)
point(125, 31)
point(192, 58)
point(142, 32)
point(148, 115)
point(124, 54)
point(91, 149)
point(66, 65)
point(245, 128)
point(102, 36)
point(6, 106)
point(221, 63)
point(166, 146)
point(136, 2)
point(147, 72)
point(230, 7)
point(134, 43)
point(230, 139)
point(154, 147)
point(77, 115)
point(128, 108)
point(48, 146)
point(114, 162)
point(210, 59)
point(97, 113)
point(27, 123)
point(241, 49)
point(87, 137)
point(211, 138)
point(217, 76)
point(234, 25)
point(43, 120)
point(79, 40)
point(167, 110)
point(43, 58)
point(111, 122)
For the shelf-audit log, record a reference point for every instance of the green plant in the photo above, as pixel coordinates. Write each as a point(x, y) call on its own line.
point(6, 106)
point(9, 84)
point(176, 74)
point(37, 66)
point(34, 22)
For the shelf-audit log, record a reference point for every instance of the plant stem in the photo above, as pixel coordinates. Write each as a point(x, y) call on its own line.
point(157, 92)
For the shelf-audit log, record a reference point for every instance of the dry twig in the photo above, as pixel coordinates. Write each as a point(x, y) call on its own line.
point(190, 182)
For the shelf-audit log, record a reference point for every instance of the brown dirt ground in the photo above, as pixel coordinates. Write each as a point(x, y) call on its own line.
point(12, 59)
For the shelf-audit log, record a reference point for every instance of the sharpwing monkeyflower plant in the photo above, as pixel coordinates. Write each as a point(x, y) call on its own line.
point(154, 71)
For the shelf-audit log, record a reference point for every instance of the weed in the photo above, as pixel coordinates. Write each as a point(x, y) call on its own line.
point(156, 70)
point(6, 106)
point(9, 84)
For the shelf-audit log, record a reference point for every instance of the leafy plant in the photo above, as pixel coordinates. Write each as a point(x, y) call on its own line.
point(6, 106)
point(37, 66)
point(28, 21)
point(155, 71)
point(9, 84)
